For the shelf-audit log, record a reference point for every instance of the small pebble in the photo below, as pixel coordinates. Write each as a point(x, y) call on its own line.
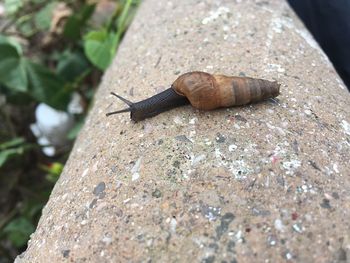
point(220, 138)
point(99, 188)
point(135, 176)
point(325, 204)
point(65, 253)
point(289, 256)
point(272, 240)
point(232, 147)
point(297, 228)
point(157, 193)
point(279, 225)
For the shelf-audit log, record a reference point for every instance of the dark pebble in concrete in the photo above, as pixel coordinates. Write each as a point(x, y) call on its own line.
point(226, 220)
point(98, 190)
point(156, 193)
point(325, 204)
point(65, 253)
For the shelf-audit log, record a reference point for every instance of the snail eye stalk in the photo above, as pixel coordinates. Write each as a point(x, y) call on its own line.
point(129, 103)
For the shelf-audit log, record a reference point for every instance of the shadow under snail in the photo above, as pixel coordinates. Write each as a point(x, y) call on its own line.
point(203, 91)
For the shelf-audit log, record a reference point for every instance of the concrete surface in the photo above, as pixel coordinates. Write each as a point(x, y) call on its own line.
point(264, 183)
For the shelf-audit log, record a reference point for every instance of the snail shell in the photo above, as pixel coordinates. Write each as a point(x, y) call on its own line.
point(207, 92)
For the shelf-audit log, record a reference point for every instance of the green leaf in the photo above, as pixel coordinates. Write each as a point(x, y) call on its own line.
point(46, 87)
point(100, 48)
point(20, 74)
point(10, 149)
point(12, 6)
point(12, 70)
point(76, 22)
point(6, 155)
point(25, 25)
point(44, 16)
point(87, 11)
point(38, 1)
point(12, 143)
point(72, 28)
point(18, 231)
point(14, 97)
point(11, 41)
point(72, 65)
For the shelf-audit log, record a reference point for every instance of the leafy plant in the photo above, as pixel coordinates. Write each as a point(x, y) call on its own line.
point(18, 231)
point(12, 148)
point(100, 45)
point(22, 75)
point(49, 50)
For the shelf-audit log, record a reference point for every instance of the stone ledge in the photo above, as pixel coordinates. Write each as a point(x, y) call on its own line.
point(266, 182)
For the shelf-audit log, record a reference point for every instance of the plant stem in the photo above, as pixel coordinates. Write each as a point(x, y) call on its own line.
point(121, 24)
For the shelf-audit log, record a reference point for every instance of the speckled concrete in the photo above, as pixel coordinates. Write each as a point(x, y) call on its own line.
point(264, 183)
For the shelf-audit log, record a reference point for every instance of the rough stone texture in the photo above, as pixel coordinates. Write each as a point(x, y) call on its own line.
point(267, 182)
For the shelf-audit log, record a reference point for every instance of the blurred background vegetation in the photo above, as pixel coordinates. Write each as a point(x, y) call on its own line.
point(52, 53)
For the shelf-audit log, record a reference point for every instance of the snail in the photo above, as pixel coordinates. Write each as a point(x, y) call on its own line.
point(203, 91)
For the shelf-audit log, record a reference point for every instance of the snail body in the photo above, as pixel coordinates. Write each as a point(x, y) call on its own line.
point(203, 91)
